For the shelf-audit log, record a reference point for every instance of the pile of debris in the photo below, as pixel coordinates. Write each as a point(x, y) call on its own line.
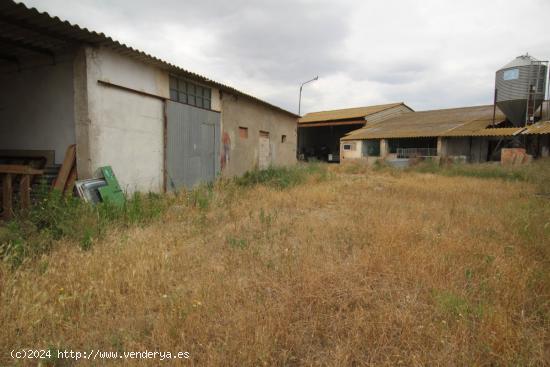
point(19, 176)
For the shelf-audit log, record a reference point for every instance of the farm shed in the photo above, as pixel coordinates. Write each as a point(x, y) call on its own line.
point(159, 126)
point(320, 132)
point(465, 134)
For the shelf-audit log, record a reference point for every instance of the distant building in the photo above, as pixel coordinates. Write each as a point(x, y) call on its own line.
point(320, 132)
point(466, 134)
point(159, 126)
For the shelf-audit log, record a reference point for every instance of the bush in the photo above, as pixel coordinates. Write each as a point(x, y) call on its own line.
point(54, 217)
point(283, 177)
point(201, 196)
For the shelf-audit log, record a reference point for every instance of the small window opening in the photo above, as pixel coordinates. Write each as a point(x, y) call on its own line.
point(243, 132)
point(283, 138)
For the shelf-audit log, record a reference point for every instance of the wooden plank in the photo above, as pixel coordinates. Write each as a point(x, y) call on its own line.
point(66, 167)
point(25, 191)
point(17, 169)
point(7, 192)
point(70, 183)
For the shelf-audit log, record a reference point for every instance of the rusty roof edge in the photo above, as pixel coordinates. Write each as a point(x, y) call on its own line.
point(105, 40)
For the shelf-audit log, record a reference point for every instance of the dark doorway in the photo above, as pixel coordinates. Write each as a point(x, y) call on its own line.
point(323, 142)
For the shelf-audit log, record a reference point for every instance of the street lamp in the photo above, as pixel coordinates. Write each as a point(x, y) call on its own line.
point(300, 99)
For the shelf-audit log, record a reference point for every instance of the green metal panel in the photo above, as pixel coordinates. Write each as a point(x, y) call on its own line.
point(112, 193)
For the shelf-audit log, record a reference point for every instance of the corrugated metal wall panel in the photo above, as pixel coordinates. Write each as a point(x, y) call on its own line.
point(387, 114)
point(193, 144)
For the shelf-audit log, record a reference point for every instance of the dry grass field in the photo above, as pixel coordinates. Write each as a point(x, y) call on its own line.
point(351, 267)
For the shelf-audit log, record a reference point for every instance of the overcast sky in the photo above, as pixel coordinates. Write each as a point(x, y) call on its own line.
point(426, 53)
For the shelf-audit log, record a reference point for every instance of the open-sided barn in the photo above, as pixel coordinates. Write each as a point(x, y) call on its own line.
point(320, 132)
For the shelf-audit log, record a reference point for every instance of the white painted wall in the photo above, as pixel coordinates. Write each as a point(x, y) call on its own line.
point(216, 103)
point(129, 72)
point(354, 153)
point(36, 108)
point(126, 129)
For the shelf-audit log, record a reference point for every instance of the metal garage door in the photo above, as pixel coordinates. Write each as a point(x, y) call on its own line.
point(193, 145)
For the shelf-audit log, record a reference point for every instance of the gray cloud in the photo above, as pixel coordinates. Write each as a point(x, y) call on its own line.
point(428, 53)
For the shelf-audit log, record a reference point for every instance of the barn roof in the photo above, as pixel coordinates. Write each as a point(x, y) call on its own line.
point(346, 113)
point(465, 121)
point(28, 32)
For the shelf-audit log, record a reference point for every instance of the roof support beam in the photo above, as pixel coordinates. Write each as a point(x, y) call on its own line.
point(26, 46)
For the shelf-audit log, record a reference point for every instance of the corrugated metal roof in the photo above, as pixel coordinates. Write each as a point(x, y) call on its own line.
point(447, 122)
point(26, 31)
point(346, 113)
point(542, 127)
point(503, 131)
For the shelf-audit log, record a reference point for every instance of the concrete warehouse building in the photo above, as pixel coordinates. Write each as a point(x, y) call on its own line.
point(466, 134)
point(159, 126)
point(320, 132)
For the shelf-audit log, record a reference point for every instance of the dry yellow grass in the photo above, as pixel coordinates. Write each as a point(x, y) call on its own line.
point(360, 269)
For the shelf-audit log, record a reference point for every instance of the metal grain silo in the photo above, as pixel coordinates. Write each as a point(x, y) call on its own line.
point(520, 88)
